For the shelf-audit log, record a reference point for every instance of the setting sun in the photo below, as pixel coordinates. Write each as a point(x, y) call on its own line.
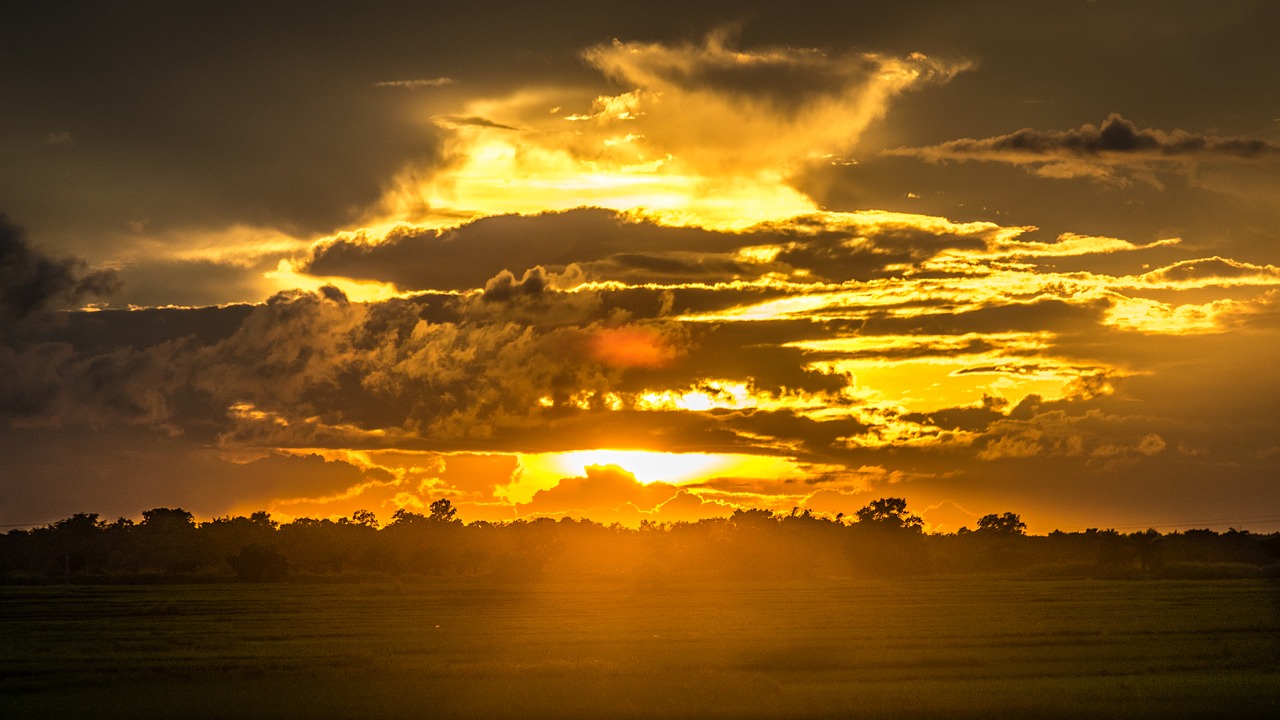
point(544, 471)
point(647, 466)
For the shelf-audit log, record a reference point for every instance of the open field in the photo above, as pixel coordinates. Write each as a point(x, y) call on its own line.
point(968, 647)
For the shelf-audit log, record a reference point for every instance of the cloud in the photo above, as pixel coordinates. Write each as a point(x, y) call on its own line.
point(1046, 434)
point(635, 346)
point(721, 109)
point(504, 287)
point(948, 517)
point(313, 367)
point(473, 121)
point(925, 372)
point(604, 245)
point(697, 133)
point(122, 471)
point(415, 84)
point(316, 372)
point(609, 493)
point(191, 283)
point(686, 506)
point(1213, 271)
point(31, 281)
point(207, 124)
point(525, 366)
point(1116, 150)
point(604, 487)
point(1151, 444)
point(468, 256)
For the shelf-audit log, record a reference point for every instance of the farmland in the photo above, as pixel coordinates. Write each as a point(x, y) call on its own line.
point(969, 646)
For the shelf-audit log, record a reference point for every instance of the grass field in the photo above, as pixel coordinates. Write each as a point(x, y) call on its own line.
point(474, 648)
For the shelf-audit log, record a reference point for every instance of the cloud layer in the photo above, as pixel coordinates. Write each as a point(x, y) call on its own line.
point(849, 353)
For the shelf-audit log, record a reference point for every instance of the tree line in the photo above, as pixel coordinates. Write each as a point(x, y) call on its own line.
point(883, 539)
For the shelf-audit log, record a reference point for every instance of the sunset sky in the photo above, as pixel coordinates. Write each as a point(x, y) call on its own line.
point(639, 261)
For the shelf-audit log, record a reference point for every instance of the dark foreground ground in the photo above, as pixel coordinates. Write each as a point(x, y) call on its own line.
point(475, 648)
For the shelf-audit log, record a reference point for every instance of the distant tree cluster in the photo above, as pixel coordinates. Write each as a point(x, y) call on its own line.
point(883, 539)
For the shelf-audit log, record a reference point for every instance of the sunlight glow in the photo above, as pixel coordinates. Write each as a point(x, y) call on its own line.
point(1151, 316)
point(544, 470)
point(646, 466)
point(927, 384)
point(922, 373)
point(287, 277)
point(505, 174)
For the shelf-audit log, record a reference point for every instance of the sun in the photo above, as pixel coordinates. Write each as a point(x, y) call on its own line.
point(542, 471)
point(647, 466)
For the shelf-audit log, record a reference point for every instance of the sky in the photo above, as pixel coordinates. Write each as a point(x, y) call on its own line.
point(642, 261)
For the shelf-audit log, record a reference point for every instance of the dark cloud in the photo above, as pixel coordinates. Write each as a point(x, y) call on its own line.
point(872, 253)
point(1097, 151)
point(1116, 136)
point(1051, 314)
point(315, 370)
point(504, 286)
point(472, 121)
point(31, 281)
point(209, 120)
point(786, 80)
point(671, 267)
point(48, 385)
point(811, 439)
point(108, 330)
point(607, 245)
point(757, 351)
point(646, 302)
point(415, 84)
point(190, 283)
point(466, 257)
point(969, 419)
point(121, 472)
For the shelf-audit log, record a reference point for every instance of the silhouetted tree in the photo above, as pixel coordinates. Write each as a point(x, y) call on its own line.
point(259, 563)
point(78, 541)
point(263, 519)
point(755, 518)
point(404, 518)
point(999, 542)
point(885, 540)
point(424, 543)
point(365, 518)
point(890, 513)
point(167, 541)
point(1008, 524)
point(1147, 545)
point(442, 511)
point(1111, 548)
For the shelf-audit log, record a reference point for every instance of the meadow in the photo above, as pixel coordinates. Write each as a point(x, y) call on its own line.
point(476, 647)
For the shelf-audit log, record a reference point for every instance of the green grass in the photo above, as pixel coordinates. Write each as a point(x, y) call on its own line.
point(474, 648)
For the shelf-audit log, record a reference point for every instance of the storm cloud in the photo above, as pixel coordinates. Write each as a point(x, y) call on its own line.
point(32, 281)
